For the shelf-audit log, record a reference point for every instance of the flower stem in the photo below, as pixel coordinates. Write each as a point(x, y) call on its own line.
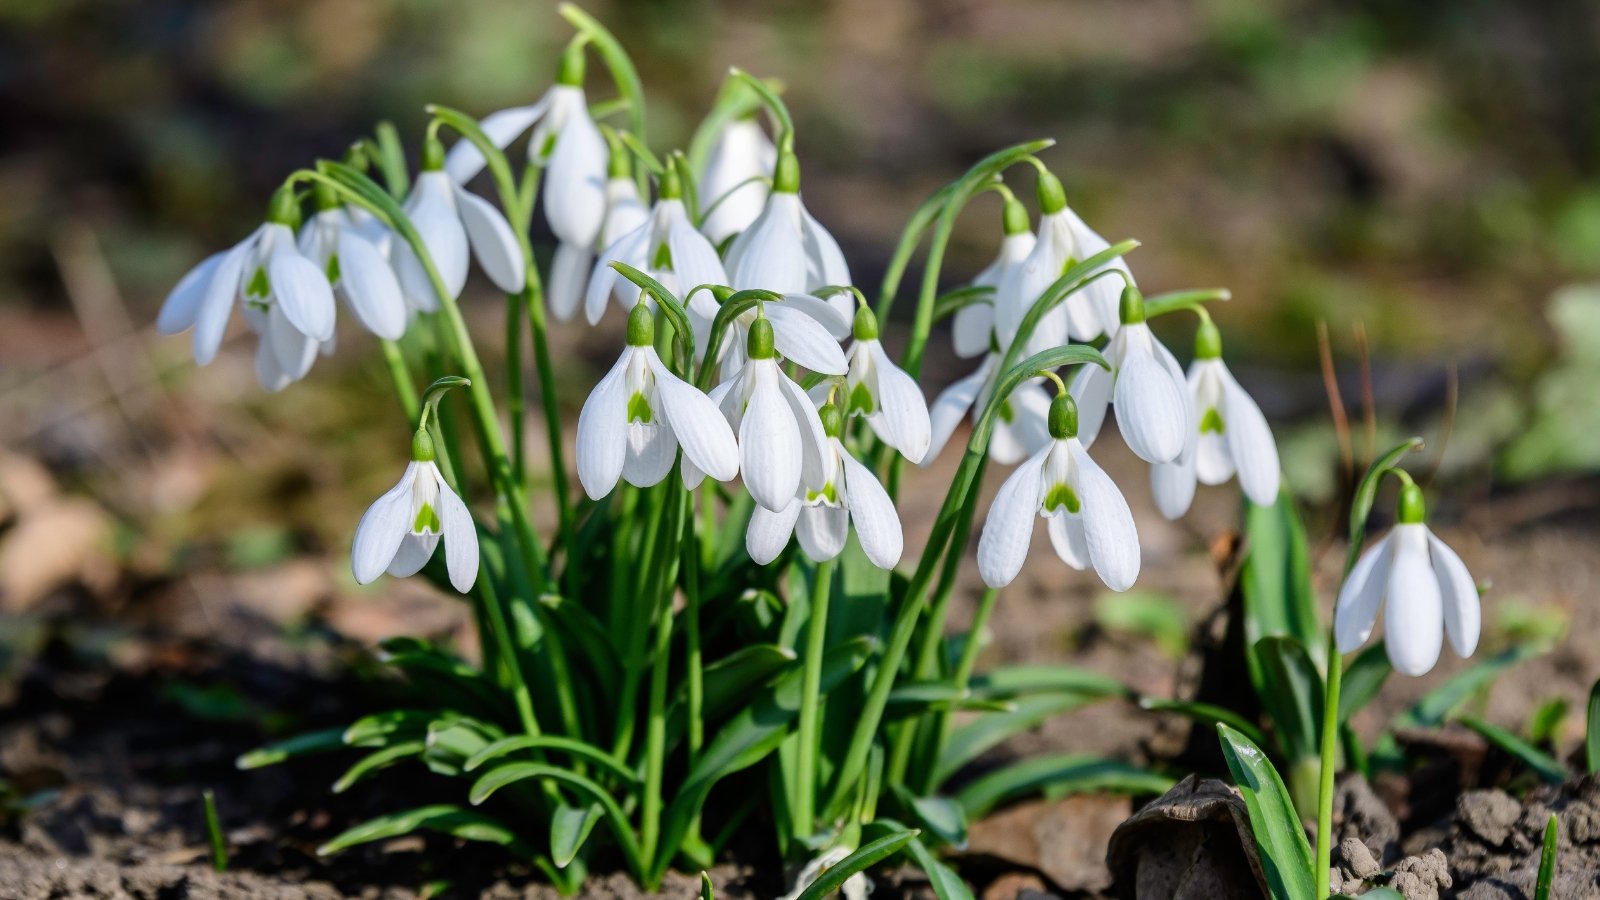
point(1330, 752)
point(805, 790)
point(400, 374)
point(515, 404)
point(661, 658)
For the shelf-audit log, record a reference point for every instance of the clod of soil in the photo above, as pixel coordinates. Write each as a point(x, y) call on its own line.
point(1494, 841)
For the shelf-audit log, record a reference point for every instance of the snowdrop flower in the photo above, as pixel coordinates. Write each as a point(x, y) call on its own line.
point(1423, 587)
point(782, 446)
point(732, 193)
point(401, 530)
point(884, 394)
point(856, 887)
point(1145, 385)
point(850, 494)
point(1063, 238)
point(285, 296)
point(451, 220)
point(785, 249)
point(1019, 429)
point(624, 213)
point(357, 268)
point(640, 413)
point(1229, 436)
point(805, 331)
point(671, 250)
point(1089, 521)
point(568, 144)
point(972, 329)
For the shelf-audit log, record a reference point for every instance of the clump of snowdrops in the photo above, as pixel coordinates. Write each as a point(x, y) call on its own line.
point(720, 628)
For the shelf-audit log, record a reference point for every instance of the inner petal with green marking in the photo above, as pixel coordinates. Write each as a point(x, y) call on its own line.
point(1059, 497)
point(1211, 422)
point(861, 402)
point(259, 286)
point(639, 409)
point(333, 268)
point(662, 261)
point(427, 520)
point(829, 495)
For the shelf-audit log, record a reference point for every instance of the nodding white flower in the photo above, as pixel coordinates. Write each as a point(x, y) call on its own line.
point(1423, 587)
point(1019, 429)
point(785, 249)
point(401, 530)
point(1089, 521)
point(850, 494)
point(356, 267)
point(856, 887)
point(972, 329)
point(884, 394)
point(569, 146)
point(285, 295)
point(805, 330)
point(1145, 385)
point(782, 447)
point(671, 250)
point(640, 413)
point(624, 212)
point(732, 192)
point(1229, 436)
point(1062, 240)
point(450, 221)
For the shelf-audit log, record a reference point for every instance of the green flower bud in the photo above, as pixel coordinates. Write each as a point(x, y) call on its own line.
point(759, 345)
point(1015, 218)
point(1207, 341)
point(641, 326)
point(284, 208)
point(422, 446)
point(432, 154)
point(1411, 509)
point(866, 324)
point(786, 176)
point(1052, 196)
point(1132, 306)
point(832, 419)
point(1063, 419)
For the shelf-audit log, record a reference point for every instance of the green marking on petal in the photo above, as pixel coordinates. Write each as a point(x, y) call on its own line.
point(1062, 497)
point(333, 269)
point(1211, 422)
point(662, 261)
point(860, 402)
point(259, 285)
point(549, 146)
point(829, 493)
point(427, 521)
point(639, 409)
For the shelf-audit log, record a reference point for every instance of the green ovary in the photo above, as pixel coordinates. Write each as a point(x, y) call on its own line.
point(1062, 497)
point(639, 409)
point(427, 521)
point(1211, 422)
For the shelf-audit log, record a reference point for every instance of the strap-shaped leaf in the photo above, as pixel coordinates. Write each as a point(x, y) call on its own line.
point(941, 817)
point(456, 821)
point(306, 744)
point(1292, 694)
point(395, 724)
point(1208, 714)
point(1285, 855)
point(946, 884)
point(510, 773)
point(569, 828)
point(1591, 738)
point(377, 760)
point(859, 861)
point(1541, 763)
point(588, 752)
point(988, 730)
point(1059, 774)
point(1015, 681)
point(1275, 583)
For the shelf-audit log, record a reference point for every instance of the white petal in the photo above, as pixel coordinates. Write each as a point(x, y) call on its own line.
point(1151, 408)
point(464, 161)
point(211, 319)
point(902, 421)
point(1008, 530)
point(1107, 524)
point(1091, 388)
point(575, 182)
point(814, 446)
point(706, 438)
point(624, 211)
point(1028, 429)
point(769, 445)
point(301, 290)
point(432, 212)
point(837, 322)
point(693, 258)
point(460, 537)
point(1173, 483)
point(183, 304)
point(414, 553)
point(873, 513)
point(1067, 537)
point(1413, 608)
point(382, 526)
point(972, 329)
point(603, 432)
point(1250, 444)
point(771, 254)
point(652, 449)
point(630, 249)
point(268, 372)
point(949, 408)
point(1463, 613)
point(822, 531)
point(567, 277)
point(742, 151)
point(826, 261)
point(492, 240)
point(370, 287)
point(769, 532)
point(803, 340)
point(1362, 594)
point(293, 352)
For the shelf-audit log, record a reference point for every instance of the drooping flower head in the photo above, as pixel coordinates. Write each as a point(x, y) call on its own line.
point(732, 187)
point(787, 250)
point(357, 267)
point(972, 329)
point(1145, 386)
point(1020, 429)
point(640, 414)
point(882, 392)
point(1422, 587)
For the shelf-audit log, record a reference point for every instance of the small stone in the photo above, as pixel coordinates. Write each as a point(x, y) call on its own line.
point(1358, 858)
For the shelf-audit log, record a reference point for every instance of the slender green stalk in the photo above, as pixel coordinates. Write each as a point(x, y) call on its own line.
point(691, 621)
point(638, 621)
point(804, 802)
point(964, 666)
point(219, 841)
point(661, 659)
point(1330, 756)
point(501, 626)
point(401, 376)
point(515, 404)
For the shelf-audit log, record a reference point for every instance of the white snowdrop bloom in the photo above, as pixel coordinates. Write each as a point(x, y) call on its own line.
point(782, 447)
point(452, 221)
point(732, 193)
point(1019, 428)
point(805, 330)
point(785, 249)
point(884, 394)
point(669, 249)
point(401, 530)
point(1229, 436)
point(1423, 587)
point(1145, 385)
point(850, 495)
point(640, 414)
point(358, 269)
point(568, 144)
point(286, 296)
point(856, 887)
point(972, 328)
point(624, 210)
point(1088, 520)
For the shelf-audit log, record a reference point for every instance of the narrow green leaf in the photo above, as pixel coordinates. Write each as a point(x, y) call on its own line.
point(1061, 774)
point(1275, 583)
point(1286, 858)
point(398, 724)
point(510, 773)
point(569, 828)
point(946, 884)
point(735, 676)
point(1547, 859)
point(1292, 694)
point(1367, 492)
point(1541, 763)
point(707, 892)
point(377, 760)
point(1591, 738)
point(466, 824)
point(1207, 714)
point(1013, 681)
point(859, 861)
point(983, 732)
point(587, 752)
point(300, 745)
point(1363, 679)
point(941, 816)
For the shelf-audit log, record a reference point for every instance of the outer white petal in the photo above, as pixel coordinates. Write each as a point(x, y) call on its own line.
point(603, 431)
point(770, 452)
point(566, 285)
point(651, 452)
point(1067, 537)
point(1151, 408)
point(1028, 429)
point(814, 446)
point(211, 319)
point(1173, 483)
point(693, 258)
point(268, 372)
point(575, 182)
point(972, 328)
point(822, 531)
point(414, 553)
point(460, 537)
point(464, 161)
point(691, 473)
point(742, 151)
point(873, 513)
point(294, 352)
point(902, 421)
point(1463, 614)
point(381, 528)
point(1361, 596)
point(801, 339)
point(825, 261)
point(492, 240)
point(1008, 530)
point(1413, 608)
point(706, 438)
point(300, 288)
point(624, 211)
point(432, 211)
point(1091, 388)
point(630, 249)
point(769, 532)
point(1250, 443)
point(949, 408)
point(1103, 294)
point(370, 287)
point(178, 311)
point(771, 254)
point(1107, 524)
point(829, 316)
